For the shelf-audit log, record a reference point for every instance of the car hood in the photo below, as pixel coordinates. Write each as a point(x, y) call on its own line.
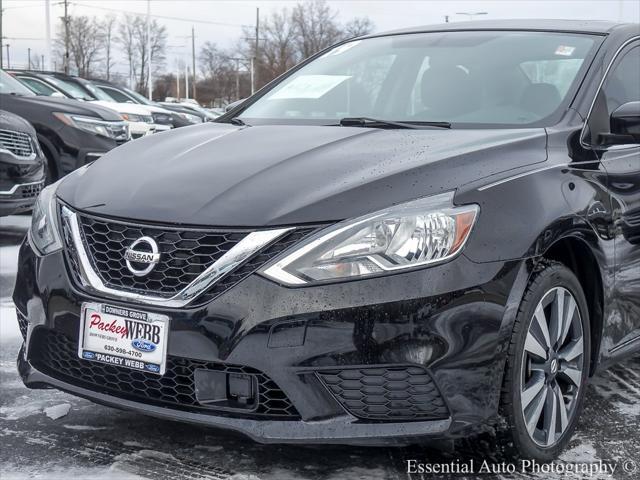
point(10, 121)
point(222, 175)
point(64, 105)
point(123, 107)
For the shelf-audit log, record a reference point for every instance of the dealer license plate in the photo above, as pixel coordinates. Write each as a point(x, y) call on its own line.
point(123, 337)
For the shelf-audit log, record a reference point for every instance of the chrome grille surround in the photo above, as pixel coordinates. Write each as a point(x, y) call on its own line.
point(79, 258)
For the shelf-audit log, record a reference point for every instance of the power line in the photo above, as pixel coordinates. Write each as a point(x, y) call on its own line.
point(164, 17)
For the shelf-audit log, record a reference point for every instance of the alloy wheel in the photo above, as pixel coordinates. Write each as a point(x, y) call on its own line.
point(552, 367)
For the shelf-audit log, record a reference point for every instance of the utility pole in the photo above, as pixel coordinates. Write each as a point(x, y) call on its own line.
point(8, 56)
point(66, 37)
point(186, 80)
point(47, 14)
point(254, 62)
point(178, 83)
point(237, 78)
point(42, 62)
point(1, 37)
point(29, 58)
point(193, 60)
point(149, 48)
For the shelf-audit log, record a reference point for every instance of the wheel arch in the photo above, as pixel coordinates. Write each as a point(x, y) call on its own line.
point(52, 155)
point(578, 256)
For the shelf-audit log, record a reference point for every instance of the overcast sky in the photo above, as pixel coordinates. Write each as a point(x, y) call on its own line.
point(221, 21)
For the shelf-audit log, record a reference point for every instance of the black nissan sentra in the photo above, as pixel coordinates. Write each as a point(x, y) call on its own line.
point(409, 237)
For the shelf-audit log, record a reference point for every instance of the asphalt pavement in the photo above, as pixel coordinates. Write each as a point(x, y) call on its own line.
point(52, 435)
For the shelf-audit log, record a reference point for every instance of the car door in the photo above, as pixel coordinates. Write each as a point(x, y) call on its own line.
point(622, 165)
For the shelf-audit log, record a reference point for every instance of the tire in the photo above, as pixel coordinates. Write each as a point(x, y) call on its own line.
point(531, 380)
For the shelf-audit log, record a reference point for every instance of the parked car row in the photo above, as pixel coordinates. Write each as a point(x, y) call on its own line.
point(52, 123)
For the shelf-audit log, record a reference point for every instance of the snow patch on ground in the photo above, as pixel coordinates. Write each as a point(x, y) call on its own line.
point(83, 428)
point(621, 394)
point(19, 472)
point(9, 260)
point(25, 406)
point(9, 330)
point(57, 411)
point(585, 452)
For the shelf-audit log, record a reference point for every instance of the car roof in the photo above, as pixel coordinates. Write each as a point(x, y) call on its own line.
point(600, 27)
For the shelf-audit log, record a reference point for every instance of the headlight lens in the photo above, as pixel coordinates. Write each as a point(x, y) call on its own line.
point(162, 119)
point(422, 232)
point(44, 233)
point(118, 131)
point(191, 118)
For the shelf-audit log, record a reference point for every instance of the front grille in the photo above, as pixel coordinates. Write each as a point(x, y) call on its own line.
point(18, 143)
point(386, 393)
point(23, 324)
point(184, 254)
point(56, 355)
point(31, 190)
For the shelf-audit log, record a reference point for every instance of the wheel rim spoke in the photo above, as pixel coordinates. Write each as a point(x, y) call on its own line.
point(550, 416)
point(568, 316)
point(572, 351)
point(535, 411)
point(531, 392)
point(562, 408)
point(557, 316)
point(533, 346)
point(541, 319)
point(573, 374)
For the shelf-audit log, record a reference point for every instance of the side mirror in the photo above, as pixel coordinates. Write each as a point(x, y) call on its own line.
point(625, 124)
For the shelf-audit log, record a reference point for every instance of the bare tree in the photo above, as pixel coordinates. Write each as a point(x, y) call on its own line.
point(316, 27)
point(85, 43)
point(133, 38)
point(108, 31)
point(278, 52)
point(357, 27)
point(126, 38)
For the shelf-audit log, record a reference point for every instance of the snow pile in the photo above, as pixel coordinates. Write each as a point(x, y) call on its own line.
point(57, 411)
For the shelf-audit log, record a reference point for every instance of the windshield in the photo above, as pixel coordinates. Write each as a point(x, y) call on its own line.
point(11, 86)
point(70, 88)
point(98, 93)
point(464, 77)
point(139, 98)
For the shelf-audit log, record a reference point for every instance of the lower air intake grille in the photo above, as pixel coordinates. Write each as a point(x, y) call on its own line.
point(386, 393)
point(56, 355)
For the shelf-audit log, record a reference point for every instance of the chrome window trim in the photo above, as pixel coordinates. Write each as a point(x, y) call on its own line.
point(242, 251)
point(595, 97)
point(20, 185)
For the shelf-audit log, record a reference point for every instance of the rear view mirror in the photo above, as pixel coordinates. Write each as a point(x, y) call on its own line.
point(625, 124)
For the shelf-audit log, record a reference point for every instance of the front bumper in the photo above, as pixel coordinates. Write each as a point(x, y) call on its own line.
point(447, 326)
point(20, 182)
point(141, 129)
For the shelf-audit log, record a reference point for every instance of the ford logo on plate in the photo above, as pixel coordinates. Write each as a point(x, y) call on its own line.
point(143, 345)
point(152, 368)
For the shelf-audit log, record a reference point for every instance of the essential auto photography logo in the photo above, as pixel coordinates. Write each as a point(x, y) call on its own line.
point(597, 469)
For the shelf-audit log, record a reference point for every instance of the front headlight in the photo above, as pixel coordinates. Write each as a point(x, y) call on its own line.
point(44, 233)
point(191, 118)
point(415, 234)
point(115, 130)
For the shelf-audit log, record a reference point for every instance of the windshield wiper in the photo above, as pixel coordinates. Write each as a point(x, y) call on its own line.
point(237, 121)
point(377, 123)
